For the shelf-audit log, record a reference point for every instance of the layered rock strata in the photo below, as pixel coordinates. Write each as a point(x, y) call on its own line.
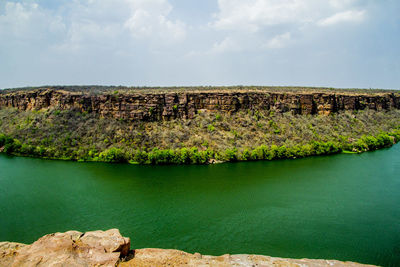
point(109, 248)
point(164, 106)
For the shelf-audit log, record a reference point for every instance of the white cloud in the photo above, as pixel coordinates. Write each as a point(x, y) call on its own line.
point(252, 15)
point(144, 23)
point(27, 21)
point(341, 3)
point(86, 22)
point(227, 45)
point(279, 41)
point(342, 17)
point(141, 19)
point(255, 15)
point(273, 23)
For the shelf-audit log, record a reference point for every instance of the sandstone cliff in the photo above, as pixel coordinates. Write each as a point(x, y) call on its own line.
point(109, 248)
point(153, 106)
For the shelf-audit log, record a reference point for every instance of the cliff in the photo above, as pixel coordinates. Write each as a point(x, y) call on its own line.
point(153, 106)
point(109, 248)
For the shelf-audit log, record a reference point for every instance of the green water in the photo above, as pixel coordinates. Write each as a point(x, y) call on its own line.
point(345, 207)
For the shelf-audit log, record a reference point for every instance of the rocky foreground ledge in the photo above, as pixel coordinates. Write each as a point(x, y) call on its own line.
point(109, 248)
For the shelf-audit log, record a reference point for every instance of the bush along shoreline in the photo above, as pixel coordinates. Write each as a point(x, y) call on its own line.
point(207, 138)
point(12, 146)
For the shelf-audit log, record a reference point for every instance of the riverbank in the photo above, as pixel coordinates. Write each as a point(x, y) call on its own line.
point(207, 138)
point(109, 248)
point(195, 126)
point(192, 155)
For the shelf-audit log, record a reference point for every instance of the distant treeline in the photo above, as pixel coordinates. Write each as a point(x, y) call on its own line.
point(99, 89)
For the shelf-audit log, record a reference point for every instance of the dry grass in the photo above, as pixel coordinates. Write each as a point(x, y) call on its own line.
point(94, 89)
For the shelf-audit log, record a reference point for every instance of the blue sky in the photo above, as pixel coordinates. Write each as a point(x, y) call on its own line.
point(334, 43)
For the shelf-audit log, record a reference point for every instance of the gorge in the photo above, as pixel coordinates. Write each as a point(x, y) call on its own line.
point(195, 125)
point(340, 205)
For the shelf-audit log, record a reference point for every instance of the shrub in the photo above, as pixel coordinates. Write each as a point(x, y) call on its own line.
point(140, 157)
point(195, 156)
point(4, 140)
point(273, 152)
point(246, 155)
point(27, 149)
point(396, 134)
point(281, 152)
point(183, 156)
point(113, 155)
point(8, 148)
point(157, 156)
point(40, 151)
point(260, 153)
point(231, 154)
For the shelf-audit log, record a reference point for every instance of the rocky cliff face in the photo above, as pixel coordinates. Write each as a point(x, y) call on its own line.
point(109, 248)
point(164, 106)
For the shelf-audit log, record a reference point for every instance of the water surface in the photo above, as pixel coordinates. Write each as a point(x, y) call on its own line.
point(344, 207)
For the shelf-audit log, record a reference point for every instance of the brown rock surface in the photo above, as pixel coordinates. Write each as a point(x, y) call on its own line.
point(109, 248)
point(150, 257)
point(98, 248)
point(164, 106)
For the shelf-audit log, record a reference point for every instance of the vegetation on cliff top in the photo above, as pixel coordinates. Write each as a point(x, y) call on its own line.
point(97, 89)
point(209, 137)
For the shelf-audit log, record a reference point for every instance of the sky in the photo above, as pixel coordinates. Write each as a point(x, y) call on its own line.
point(330, 43)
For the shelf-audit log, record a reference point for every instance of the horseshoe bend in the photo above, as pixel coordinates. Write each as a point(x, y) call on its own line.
point(200, 133)
point(341, 207)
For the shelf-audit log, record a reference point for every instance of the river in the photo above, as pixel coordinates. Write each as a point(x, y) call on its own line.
point(344, 207)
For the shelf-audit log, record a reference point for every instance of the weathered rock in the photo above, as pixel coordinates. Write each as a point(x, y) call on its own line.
point(98, 248)
point(168, 257)
point(164, 106)
point(8, 252)
point(109, 248)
